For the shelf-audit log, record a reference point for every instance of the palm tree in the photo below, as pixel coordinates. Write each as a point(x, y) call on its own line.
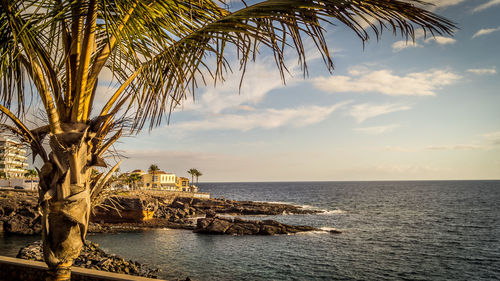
point(53, 52)
point(192, 172)
point(134, 179)
point(198, 174)
point(152, 170)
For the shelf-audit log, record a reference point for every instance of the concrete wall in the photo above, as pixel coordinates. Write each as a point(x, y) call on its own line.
point(26, 183)
point(19, 269)
point(203, 195)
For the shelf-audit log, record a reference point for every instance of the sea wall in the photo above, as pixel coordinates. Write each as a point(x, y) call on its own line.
point(174, 194)
point(19, 269)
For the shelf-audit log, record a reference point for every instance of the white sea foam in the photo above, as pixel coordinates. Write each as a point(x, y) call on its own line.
point(275, 202)
point(329, 229)
point(332, 212)
point(307, 207)
point(323, 230)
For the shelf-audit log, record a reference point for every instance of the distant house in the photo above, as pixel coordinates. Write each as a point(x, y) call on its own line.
point(160, 180)
point(182, 184)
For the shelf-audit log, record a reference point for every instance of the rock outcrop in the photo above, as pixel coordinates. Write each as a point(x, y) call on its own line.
point(117, 209)
point(93, 257)
point(238, 226)
point(18, 213)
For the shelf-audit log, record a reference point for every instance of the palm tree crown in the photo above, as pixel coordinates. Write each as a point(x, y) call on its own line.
point(198, 174)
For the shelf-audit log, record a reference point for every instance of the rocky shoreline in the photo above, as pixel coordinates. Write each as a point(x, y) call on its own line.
point(93, 257)
point(213, 224)
point(136, 211)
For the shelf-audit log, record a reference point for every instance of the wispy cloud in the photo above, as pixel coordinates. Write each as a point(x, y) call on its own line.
point(407, 169)
point(265, 119)
point(488, 141)
point(362, 112)
point(419, 41)
point(261, 78)
point(486, 5)
point(403, 44)
point(493, 137)
point(444, 3)
point(441, 40)
point(485, 31)
point(458, 147)
point(482, 71)
point(398, 149)
point(385, 82)
point(377, 130)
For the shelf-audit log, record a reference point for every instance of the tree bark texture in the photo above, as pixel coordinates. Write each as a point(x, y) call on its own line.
point(65, 198)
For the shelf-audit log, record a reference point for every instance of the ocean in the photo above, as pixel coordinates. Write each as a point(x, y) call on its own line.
point(410, 230)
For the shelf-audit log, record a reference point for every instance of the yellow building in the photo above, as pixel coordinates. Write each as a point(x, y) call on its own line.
point(182, 183)
point(160, 180)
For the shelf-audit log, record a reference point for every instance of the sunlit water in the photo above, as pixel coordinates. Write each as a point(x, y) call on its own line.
point(443, 230)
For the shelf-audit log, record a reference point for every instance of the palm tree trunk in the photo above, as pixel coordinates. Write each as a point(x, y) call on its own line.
point(65, 199)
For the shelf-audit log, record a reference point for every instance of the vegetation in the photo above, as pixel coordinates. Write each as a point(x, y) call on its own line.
point(31, 173)
point(192, 172)
point(198, 174)
point(133, 179)
point(53, 53)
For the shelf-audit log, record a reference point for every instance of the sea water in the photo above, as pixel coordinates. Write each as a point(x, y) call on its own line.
point(418, 230)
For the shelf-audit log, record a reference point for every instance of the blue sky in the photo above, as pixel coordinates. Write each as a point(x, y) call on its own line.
point(390, 111)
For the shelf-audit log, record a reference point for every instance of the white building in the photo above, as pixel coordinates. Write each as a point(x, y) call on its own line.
point(12, 158)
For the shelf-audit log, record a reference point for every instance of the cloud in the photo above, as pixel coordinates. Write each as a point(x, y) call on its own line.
point(398, 149)
point(489, 141)
point(385, 82)
point(493, 137)
point(441, 40)
point(362, 112)
point(246, 108)
point(457, 147)
point(403, 44)
point(377, 130)
point(266, 119)
point(486, 5)
point(261, 77)
point(443, 3)
point(418, 43)
point(485, 31)
point(482, 71)
point(407, 169)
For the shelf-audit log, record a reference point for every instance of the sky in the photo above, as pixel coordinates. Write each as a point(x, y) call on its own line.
point(390, 111)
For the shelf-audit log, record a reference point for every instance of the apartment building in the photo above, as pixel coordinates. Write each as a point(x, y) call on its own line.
point(12, 159)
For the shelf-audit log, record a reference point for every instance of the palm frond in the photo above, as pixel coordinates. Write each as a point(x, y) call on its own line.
point(169, 75)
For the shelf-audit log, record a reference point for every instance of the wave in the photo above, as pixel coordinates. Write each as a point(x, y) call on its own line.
point(323, 230)
point(323, 211)
point(276, 202)
point(332, 212)
point(307, 207)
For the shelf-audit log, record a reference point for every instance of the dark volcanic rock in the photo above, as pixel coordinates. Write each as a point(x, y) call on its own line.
point(238, 226)
point(22, 225)
point(93, 257)
point(18, 212)
point(240, 208)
